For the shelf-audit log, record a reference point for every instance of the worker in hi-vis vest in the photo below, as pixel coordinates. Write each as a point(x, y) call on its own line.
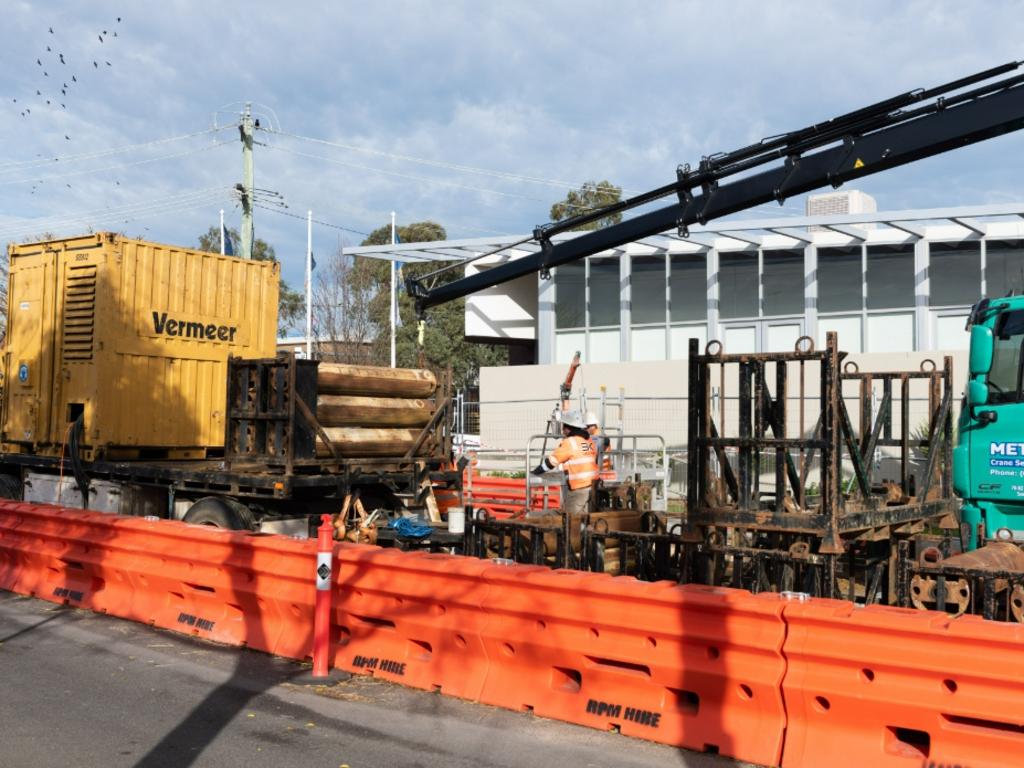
point(576, 456)
point(602, 446)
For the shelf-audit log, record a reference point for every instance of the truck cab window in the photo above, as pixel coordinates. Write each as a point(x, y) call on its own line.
point(1004, 378)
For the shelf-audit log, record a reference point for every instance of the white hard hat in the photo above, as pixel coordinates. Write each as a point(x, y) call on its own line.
point(591, 419)
point(573, 419)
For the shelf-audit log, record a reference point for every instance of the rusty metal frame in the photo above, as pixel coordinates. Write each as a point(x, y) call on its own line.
point(992, 591)
point(508, 537)
point(722, 501)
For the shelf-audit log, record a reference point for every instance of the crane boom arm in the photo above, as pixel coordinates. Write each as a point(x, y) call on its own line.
point(867, 141)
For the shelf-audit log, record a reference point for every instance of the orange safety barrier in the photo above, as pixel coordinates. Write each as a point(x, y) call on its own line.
point(503, 497)
point(411, 617)
point(897, 687)
point(228, 586)
point(58, 557)
point(693, 666)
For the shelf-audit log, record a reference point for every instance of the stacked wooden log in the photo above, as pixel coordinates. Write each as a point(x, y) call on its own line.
point(372, 411)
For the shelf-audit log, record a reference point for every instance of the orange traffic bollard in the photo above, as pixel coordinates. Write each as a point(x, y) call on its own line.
point(322, 618)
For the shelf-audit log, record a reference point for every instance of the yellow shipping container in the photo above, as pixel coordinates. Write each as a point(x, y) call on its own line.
point(134, 336)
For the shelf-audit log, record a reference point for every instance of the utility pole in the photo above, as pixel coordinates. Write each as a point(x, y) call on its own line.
point(309, 285)
point(245, 129)
point(393, 310)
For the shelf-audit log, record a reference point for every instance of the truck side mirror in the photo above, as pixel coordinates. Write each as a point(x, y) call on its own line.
point(981, 351)
point(977, 391)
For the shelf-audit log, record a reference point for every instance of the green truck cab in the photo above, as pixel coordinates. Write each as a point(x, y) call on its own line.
point(988, 460)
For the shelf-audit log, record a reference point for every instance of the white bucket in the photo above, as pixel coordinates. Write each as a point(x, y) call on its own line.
point(457, 520)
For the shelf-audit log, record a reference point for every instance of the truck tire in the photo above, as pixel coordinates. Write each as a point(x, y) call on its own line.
point(10, 487)
point(220, 513)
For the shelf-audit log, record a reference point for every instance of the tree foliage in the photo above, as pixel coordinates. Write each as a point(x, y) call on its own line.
point(342, 291)
point(353, 306)
point(589, 197)
point(291, 304)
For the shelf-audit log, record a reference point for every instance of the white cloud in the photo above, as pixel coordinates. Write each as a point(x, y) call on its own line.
point(567, 91)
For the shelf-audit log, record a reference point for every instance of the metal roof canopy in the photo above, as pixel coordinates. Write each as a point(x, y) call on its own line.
point(747, 233)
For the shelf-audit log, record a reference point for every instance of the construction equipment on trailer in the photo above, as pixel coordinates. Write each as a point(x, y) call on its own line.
point(857, 530)
point(778, 532)
point(141, 379)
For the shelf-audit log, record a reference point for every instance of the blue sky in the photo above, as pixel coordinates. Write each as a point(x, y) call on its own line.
point(560, 92)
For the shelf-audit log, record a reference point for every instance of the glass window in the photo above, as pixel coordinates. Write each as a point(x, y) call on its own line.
point(954, 273)
point(648, 343)
point(604, 292)
point(604, 347)
point(890, 332)
point(570, 298)
point(688, 281)
point(737, 284)
point(890, 276)
point(567, 344)
point(679, 339)
point(839, 279)
point(849, 328)
point(1004, 267)
point(783, 280)
point(1004, 376)
point(647, 286)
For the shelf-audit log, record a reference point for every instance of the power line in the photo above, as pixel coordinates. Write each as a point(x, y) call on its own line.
point(116, 165)
point(138, 209)
point(446, 165)
point(4, 167)
point(434, 163)
point(404, 175)
point(315, 221)
point(441, 164)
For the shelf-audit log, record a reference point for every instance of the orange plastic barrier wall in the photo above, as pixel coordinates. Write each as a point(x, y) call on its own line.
point(885, 686)
point(694, 666)
point(759, 678)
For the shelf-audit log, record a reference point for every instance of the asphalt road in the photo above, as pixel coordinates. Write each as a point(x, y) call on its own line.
point(83, 690)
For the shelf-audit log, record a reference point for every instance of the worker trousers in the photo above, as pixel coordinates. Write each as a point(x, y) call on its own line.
point(576, 502)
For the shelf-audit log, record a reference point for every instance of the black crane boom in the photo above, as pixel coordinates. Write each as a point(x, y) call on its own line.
point(894, 132)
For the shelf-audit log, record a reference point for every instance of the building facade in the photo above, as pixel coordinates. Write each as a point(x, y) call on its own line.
point(896, 281)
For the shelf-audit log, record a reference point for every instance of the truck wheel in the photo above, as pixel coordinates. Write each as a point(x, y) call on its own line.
point(10, 487)
point(220, 513)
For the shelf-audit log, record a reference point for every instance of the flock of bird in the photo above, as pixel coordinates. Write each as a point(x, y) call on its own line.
point(55, 69)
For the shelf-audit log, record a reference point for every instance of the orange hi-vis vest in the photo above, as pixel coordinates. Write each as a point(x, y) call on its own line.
point(578, 459)
point(607, 470)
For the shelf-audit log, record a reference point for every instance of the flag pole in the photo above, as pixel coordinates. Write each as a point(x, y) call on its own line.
point(221, 231)
point(392, 292)
point(309, 285)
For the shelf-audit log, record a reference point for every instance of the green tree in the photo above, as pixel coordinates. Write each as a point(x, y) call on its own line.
point(590, 197)
point(444, 339)
point(291, 304)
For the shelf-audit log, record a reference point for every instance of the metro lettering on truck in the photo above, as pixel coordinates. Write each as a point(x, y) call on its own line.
point(190, 329)
point(1009, 455)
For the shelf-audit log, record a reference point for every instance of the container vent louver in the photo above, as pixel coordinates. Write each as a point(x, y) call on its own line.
point(79, 312)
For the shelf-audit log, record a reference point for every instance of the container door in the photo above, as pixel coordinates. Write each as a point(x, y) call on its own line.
point(30, 346)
